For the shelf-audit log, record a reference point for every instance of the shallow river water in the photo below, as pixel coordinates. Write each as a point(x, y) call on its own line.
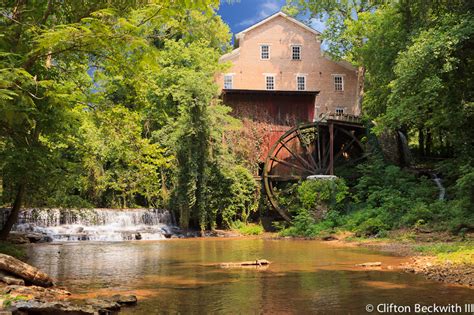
point(179, 276)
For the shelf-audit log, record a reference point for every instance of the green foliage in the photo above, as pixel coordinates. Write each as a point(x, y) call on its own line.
point(247, 228)
point(389, 198)
point(316, 206)
point(417, 59)
point(459, 252)
point(14, 250)
point(8, 299)
point(208, 185)
point(337, 15)
point(330, 192)
point(118, 163)
point(385, 198)
point(114, 105)
point(428, 78)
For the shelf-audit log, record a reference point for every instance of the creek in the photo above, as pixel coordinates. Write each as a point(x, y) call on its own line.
point(180, 276)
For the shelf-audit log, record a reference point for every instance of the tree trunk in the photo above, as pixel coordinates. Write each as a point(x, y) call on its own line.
point(361, 84)
point(13, 217)
point(421, 141)
point(429, 142)
point(28, 273)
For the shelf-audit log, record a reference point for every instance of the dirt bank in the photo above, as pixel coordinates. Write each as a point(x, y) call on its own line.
point(455, 266)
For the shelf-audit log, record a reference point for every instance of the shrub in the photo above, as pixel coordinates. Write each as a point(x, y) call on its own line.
point(232, 195)
point(316, 206)
point(247, 228)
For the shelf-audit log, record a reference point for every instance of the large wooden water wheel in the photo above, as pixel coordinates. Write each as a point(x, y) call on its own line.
point(329, 147)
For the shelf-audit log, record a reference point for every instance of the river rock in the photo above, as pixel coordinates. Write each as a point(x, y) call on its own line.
point(120, 299)
point(18, 238)
point(329, 238)
point(104, 306)
point(51, 308)
point(38, 238)
point(36, 292)
point(125, 299)
point(28, 273)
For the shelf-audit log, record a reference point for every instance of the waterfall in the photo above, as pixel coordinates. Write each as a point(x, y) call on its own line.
point(442, 190)
point(405, 149)
point(96, 224)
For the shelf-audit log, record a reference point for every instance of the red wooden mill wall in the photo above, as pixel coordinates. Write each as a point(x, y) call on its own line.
point(281, 110)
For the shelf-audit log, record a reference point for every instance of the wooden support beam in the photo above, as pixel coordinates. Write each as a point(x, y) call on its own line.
point(331, 148)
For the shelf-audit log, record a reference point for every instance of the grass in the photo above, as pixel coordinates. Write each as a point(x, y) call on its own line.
point(248, 228)
point(14, 250)
point(456, 252)
point(367, 239)
point(7, 299)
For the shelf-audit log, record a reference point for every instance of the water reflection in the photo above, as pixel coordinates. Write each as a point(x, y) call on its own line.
point(175, 276)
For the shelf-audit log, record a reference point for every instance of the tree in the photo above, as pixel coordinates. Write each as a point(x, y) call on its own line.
point(428, 93)
point(338, 16)
point(47, 49)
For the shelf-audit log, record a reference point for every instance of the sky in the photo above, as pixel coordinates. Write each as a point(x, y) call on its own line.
point(241, 14)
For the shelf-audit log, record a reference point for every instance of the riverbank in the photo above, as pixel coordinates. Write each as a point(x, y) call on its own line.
point(437, 256)
point(24, 289)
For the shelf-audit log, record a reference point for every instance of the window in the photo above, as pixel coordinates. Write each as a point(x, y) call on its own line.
point(300, 83)
point(296, 52)
point(270, 82)
point(228, 80)
point(339, 110)
point(264, 52)
point(338, 83)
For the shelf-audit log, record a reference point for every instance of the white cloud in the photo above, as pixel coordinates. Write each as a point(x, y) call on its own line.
point(266, 9)
point(317, 24)
point(271, 6)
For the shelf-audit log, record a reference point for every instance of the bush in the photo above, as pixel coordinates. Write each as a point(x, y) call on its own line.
point(316, 206)
point(231, 195)
point(247, 228)
point(384, 198)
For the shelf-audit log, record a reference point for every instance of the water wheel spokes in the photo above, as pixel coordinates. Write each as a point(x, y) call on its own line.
point(306, 150)
point(295, 156)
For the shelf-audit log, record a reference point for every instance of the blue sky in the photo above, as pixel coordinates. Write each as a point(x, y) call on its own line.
point(243, 13)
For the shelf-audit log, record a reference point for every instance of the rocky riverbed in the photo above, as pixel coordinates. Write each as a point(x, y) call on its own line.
point(447, 271)
point(27, 290)
point(431, 267)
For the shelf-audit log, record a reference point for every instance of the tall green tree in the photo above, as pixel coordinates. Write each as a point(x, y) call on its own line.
point(48, 49)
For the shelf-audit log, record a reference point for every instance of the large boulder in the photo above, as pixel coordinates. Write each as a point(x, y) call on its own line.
point(38, 237)
point(121, 299)
point(53, 308)
point(104, 306)
point(18, 238)
point(22, 270)
point(36, 293)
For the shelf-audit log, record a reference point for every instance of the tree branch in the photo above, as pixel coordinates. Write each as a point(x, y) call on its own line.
point(48, 11)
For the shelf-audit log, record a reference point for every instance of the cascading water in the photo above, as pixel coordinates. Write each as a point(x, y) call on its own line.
point(405, 149)
point(442, 190)
point(97, 224)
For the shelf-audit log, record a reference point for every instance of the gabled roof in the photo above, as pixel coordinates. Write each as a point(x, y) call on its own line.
point(342, 63)
point(230, 55)
point(271, 17)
